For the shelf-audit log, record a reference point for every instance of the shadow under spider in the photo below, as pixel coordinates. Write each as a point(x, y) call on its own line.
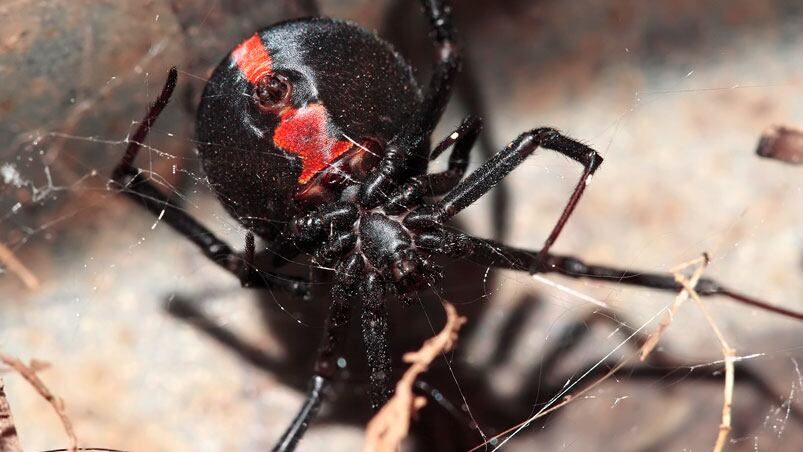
point(464, 284)
point(439, 427)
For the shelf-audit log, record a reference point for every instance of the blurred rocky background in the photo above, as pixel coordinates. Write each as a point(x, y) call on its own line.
point(155, 349)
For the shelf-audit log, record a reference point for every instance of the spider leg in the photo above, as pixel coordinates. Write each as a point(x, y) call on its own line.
point(494, 170)
point(437, 184)
point(130, 180)
point(462, 141)
point(447, 63)
point(378, 185)
point(492, 254)
point(368, 289)
point(333, 221)
point(396, 23)
point(317, 386)
point(395, 161)
point(334, 335)
point(484, 252)
point(375, 333)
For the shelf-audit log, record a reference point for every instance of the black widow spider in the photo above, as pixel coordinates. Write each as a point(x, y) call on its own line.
point(316, 137)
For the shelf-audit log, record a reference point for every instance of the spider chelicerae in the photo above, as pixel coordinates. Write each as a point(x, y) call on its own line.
point(316, 137)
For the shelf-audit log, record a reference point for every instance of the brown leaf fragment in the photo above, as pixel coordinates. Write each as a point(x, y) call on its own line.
point(9, 441)
point(782, 143)
point(29, 374)
point(386, 430)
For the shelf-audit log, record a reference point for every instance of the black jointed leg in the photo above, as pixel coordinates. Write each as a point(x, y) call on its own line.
point(437, 398)
point(312, 404)
point(326, 233)
point(490, 173)
point(484, 252)
point(131, 181)
point(382, 181)
point(447, 63)
point(461, 141)
point(445, 242)
point(247, 274)
point(335, 331)
point(375, 333)
point(337, 244)
point(493, 171)
point(314, 225)
point(591, 164)
point(126, 165)
point(307, 231)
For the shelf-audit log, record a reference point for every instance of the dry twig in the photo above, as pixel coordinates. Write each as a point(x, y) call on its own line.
point(681, 297)
point(387, 429)
point(730, 357)
point(17, 268)
point(29, 374)
point(9, 441)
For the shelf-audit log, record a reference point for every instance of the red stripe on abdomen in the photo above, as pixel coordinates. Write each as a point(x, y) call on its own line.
point(252, 58)
point(303, 132)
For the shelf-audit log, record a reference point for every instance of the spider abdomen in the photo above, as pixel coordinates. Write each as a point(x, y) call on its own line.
point(297, 112)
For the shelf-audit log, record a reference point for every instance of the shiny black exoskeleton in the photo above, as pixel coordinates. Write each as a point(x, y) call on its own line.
point(316, 137)
point(348, 92)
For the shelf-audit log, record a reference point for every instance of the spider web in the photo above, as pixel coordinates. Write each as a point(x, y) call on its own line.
point(673, 95)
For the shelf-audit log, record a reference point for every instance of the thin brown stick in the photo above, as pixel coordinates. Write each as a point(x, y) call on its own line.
point(29, 374)
point(387, 429)
point(729, 355)
point(9, 441)
point(681, 297)
point(17, 268)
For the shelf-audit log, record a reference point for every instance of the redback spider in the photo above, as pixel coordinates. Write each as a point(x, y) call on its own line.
point(316, 137)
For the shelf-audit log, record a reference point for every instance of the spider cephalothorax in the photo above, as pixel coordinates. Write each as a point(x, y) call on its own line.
point(314, 135)
point(298, 111)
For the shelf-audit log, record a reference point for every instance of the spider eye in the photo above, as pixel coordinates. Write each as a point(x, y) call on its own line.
point(273, 92)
